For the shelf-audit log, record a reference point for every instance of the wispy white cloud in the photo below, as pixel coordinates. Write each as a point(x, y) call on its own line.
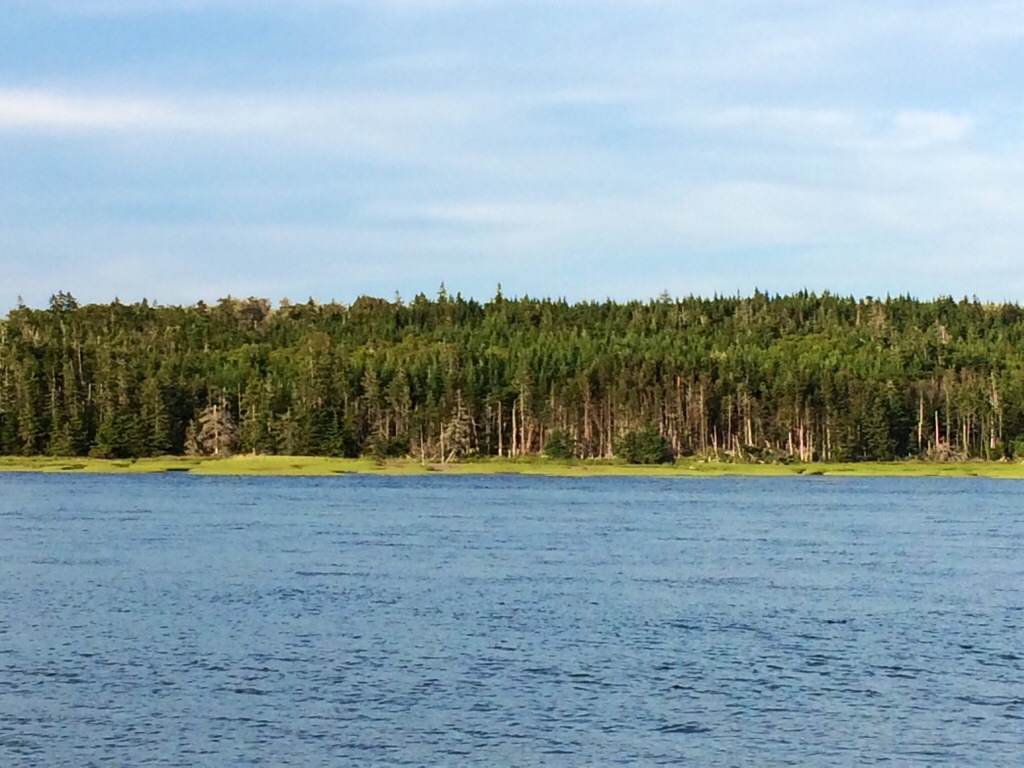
point(902, 130)
point(150, 7)
point(225, 113)
point(21, 108)
point(371, 117)
point(915, 129)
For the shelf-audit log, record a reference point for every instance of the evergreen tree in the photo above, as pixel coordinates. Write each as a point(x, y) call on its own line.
point(213, 433)
point(559, 445)
point(644, 446)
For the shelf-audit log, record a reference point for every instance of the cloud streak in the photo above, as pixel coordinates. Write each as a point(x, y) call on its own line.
point(220, 114)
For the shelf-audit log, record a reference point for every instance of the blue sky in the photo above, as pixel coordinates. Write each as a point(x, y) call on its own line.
point(190, 149)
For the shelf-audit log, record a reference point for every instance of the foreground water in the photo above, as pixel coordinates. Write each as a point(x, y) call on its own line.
point(179, 620)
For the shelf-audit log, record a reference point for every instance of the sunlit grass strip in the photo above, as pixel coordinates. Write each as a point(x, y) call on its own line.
point(324, 466)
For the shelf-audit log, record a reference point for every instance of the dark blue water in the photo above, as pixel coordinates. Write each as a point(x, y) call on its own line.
point(179, 620)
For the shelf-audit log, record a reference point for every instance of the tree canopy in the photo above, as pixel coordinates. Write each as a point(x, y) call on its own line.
point(805, 376)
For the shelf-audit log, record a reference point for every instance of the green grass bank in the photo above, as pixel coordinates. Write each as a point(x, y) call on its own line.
point(322, 466)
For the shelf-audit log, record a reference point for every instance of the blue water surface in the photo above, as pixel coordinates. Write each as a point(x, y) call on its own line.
point(179, 620)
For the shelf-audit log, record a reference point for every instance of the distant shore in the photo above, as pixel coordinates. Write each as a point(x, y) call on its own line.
point(324, 466)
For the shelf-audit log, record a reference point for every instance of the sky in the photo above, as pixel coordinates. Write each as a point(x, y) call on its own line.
point(181, 150)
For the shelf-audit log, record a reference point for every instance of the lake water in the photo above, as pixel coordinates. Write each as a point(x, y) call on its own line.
point(351, 620)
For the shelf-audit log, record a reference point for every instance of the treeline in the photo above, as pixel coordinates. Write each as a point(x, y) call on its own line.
point(766, 378)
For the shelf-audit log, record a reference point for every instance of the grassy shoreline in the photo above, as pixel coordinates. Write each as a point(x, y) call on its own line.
point(322, 466)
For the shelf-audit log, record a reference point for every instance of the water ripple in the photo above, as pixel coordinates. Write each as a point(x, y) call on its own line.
point(509, 621)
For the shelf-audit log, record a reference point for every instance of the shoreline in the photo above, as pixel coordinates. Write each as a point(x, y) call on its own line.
point(317, 466)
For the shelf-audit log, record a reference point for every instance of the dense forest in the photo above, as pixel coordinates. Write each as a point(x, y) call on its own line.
point(764, 378)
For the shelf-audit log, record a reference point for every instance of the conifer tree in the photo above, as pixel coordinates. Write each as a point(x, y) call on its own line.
point(213, 433)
